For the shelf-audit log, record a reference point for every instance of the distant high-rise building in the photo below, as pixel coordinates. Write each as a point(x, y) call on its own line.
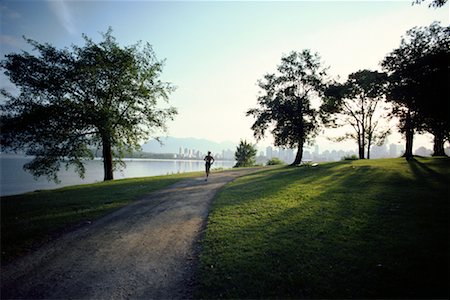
point(290, 155)
point(316, 150)
point(379, 151)
point(269, 152)
point(393, 150)
point(306, 155)
point(282, 154)
point(275, 153)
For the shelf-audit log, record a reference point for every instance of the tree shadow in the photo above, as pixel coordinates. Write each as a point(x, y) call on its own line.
point(355, 235)
point(424, 171)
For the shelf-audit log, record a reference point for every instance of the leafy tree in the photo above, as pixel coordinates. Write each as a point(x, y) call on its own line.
point(434, 3)
point(74, 99)
point(357, 103)
point(285, 102)
point(245, 154)
point(418, 84)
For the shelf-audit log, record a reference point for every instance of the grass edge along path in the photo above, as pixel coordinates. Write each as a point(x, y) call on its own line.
point(352, 229)
point(31, 219)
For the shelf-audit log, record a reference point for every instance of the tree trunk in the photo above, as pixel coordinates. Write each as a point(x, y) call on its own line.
point(299, 156)
point(360, 147)
point(438, 147)
point(409, 135)
point(107, 159)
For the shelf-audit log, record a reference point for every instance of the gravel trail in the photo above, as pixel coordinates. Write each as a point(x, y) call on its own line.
point(146, 250)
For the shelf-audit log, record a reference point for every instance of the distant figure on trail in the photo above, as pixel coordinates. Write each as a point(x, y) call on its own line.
point(209, 161)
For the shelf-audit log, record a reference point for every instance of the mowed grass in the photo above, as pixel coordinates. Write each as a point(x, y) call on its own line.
point(30, 219)
point(351, 229)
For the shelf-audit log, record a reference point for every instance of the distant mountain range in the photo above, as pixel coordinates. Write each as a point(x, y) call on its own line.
point(173, 144)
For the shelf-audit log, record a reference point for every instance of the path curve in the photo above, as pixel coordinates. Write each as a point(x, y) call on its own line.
point(147, 249)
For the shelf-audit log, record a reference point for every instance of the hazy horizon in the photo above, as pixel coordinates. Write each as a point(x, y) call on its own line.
point(216, 51)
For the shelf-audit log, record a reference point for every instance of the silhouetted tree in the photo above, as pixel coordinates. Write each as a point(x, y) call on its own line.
point(245, 154)
point(357, 103)
point(285, 102)
point(418, 84)
point(434, 3)
point(74, 99)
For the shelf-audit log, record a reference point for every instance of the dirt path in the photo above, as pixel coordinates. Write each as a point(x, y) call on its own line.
point(145, 250)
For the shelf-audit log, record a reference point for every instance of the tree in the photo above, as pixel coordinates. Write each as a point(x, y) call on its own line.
point(285, 102)
point(357, 103)
point(434, 3)
point(432, 77)
point(245, 154)
point(72, 100)
point(418, 84)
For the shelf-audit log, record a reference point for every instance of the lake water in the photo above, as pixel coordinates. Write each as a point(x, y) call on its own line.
point(14, 180)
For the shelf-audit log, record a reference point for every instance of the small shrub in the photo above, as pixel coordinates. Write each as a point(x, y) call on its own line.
point(350, 157)
point(245, 154)
point(275, 161)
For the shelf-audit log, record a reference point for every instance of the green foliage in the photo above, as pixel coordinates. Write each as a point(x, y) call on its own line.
point(418, 82)
point(285, 102)
point(350, 157)
point(275, 161)
point(350, 229)
point(33, 218)
point(74, 99)
point(245, 154)
point(357, 103)
point(434, 3)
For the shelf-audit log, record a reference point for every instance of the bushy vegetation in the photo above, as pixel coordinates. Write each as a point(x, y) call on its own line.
point(349, 229)
point(350, 157)
point(275, 161)
point(245, 154)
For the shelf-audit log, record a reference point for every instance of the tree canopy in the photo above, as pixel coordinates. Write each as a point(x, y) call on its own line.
point(418, 83)
point(245, 154)
point(285, 102)
point(433, 3)
point(357, 103)
point(74, 99)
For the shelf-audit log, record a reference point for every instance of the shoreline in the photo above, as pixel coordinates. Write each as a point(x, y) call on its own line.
point(15, 181)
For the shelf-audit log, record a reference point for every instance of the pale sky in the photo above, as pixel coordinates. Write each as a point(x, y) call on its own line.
point(216, 51)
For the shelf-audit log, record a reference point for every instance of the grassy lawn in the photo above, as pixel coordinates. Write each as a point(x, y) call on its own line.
point(30, 219)
point(352, 229)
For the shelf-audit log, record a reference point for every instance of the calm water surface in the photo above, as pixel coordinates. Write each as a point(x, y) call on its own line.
point(14, 180)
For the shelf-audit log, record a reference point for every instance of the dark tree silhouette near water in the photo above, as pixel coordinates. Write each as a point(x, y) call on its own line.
point(74, 99)
point(285, 103)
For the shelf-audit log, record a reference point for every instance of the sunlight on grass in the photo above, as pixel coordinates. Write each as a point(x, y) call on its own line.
point(367, 228)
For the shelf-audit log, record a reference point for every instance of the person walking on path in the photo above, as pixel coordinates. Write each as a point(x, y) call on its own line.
point(209, 160)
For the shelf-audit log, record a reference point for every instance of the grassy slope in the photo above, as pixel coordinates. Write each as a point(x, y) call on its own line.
point(368, 228)
point(32, 218)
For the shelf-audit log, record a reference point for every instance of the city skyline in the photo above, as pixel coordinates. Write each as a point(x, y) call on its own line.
point(217, 51)
point(310, 153)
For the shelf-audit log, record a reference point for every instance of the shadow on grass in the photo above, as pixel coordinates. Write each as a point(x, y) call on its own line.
point(435, 172)
point(342, 230)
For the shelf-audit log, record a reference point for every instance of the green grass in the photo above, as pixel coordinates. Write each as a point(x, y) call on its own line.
point(351, 229)
point(30, 219)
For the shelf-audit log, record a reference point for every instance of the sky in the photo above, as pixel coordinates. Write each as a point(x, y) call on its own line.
point(216, 51)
